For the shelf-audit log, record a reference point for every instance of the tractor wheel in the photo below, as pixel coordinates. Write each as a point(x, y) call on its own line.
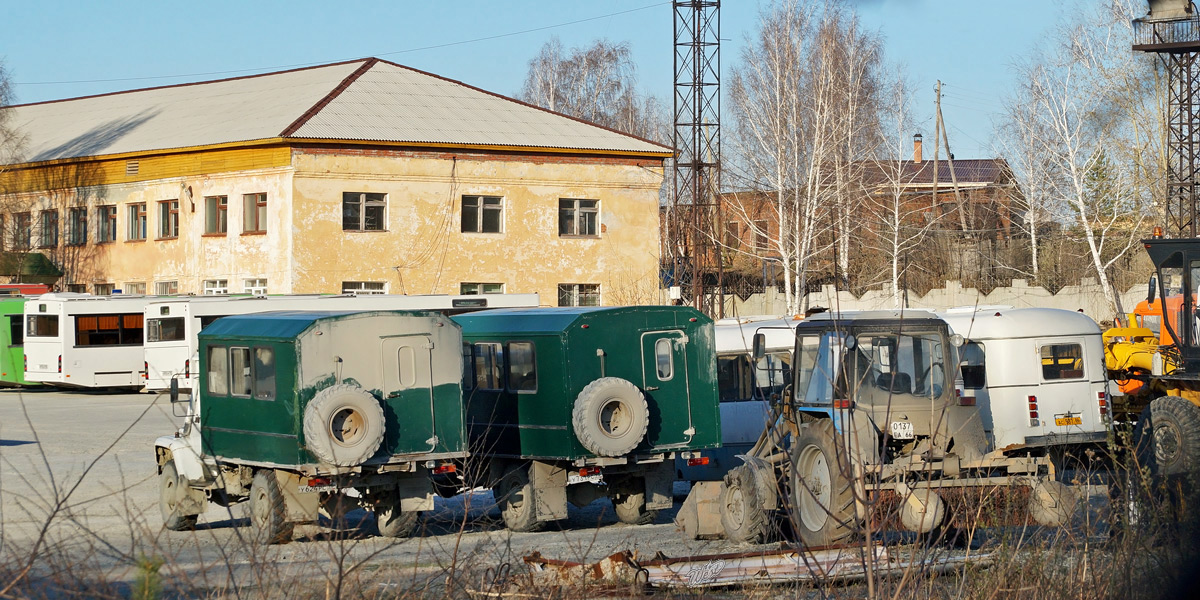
point(171, 490)
point(742, 515)
point(1167, 437)
point(822, 486)
point(268, 511)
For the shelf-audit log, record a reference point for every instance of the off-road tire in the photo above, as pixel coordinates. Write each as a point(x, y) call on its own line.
point(395, 523)
point(343, 425)
point(742, 514)
point(630, 508)
point(514, 498)
point(1167, 437)
point(171, 489)
point(610, 416)
point(822, 486)
point(268, 510)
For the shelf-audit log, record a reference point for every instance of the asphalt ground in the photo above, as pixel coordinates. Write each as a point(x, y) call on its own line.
point(79, 504)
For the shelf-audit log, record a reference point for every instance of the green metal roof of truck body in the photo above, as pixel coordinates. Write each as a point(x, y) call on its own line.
point(514, 321)
point(284, 324)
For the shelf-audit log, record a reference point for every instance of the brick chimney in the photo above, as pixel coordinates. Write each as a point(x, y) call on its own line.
point(917, 148)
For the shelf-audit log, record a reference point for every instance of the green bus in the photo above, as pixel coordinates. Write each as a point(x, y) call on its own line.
point(12, 342)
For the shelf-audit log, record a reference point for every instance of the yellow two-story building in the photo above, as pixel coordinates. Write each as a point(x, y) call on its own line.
point(363, 176)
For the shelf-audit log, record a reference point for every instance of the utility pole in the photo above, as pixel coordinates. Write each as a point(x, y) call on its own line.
point(941, 126)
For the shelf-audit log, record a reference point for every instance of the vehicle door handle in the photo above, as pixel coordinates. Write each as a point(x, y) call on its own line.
point(651, 388)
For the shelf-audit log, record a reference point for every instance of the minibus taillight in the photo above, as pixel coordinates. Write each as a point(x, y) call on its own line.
point(25, 357)
point(964, 399)
point(1033, 412)
point(60, 363)
point(146, 369)
point(1102, 400)
point(187, 369)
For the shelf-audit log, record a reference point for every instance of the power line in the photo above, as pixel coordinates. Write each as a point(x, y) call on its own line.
point(392, 53)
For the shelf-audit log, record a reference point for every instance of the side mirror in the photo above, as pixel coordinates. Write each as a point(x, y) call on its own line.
point(1150, 288)
point(174, 390)
point(760, 346)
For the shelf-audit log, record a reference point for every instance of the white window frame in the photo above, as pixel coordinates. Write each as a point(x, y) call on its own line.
point(364, 288)
point(166, 288)
point(467, 288)
point(135, 287)
point(216, 287)
point(364, 200)
point(256, 286)
point(577, 219)
point(482, 205)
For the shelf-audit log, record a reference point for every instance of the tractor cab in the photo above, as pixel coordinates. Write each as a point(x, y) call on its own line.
point(1177, 267)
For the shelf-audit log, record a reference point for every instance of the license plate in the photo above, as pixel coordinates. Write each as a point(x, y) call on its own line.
point(573, 478)
point(902, 430)
point(313, 489)
point(1064, 420)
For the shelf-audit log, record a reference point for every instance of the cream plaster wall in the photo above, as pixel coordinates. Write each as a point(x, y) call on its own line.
point(423, 249)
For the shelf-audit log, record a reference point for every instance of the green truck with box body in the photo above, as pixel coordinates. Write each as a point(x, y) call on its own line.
point(302, 411)
point(574, 404)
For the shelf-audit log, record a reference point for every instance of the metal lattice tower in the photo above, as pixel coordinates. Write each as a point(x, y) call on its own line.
point(1172, 31)
point(695, 209)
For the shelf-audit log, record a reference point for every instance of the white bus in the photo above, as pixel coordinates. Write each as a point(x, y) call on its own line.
point(172, 324)
point(745, 388)
point(1037, 374)
point(81, 340)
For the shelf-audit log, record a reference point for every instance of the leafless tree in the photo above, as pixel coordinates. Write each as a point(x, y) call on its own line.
point(1074, 113)
point(11, 141)
point(597, 83)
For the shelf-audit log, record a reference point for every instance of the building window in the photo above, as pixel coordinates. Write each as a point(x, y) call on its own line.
point(102, 289)
point(482, 214)
point(166, 288)
point(77, 226)
point(733, 235)
point(257, 287)
point(78, 288)
point(137, 221)
point(168, 219)
point(135, 287)
point(363, 288)
point(216, 287)
point(108, 223)
point(578, 217)
point(363, 211)
point(579, 294)
point(255, 206)
point(49, 227)
point(216, 214)
point(762, 242)
point(22, 231)
point(480, 288)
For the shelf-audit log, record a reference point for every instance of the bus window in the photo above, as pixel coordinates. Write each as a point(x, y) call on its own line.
point(974, 373)
point(522, 368)
point(489, 361)
point(164, 330)
point(239, 368)
point(1061, 361)
point(109, 330)
point(733, 377)
point(41, 326)
point(16, 332)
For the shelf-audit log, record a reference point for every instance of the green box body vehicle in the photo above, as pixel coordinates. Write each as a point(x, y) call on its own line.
point(303, 411)
point(573, 404)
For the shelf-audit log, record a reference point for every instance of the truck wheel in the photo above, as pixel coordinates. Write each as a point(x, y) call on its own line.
point(268, 512)
point(822, 489)
point(630, 504)
point(1167, 436)
point(514, 497)
point(343, 425)
point(610, 416)
point(171, 490)
point(395, 523)
point(742, 515)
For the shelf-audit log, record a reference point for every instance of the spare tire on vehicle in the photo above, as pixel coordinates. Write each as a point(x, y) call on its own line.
point(343, 425)
point(610, 416)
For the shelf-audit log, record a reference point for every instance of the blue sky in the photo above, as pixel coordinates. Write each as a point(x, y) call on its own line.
point(59, 49)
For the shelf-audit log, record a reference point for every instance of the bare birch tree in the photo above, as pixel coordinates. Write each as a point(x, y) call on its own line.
point(1070, 95)
point(597, 83)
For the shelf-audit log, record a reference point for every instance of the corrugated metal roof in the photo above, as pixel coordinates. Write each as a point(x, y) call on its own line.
point(365, 100)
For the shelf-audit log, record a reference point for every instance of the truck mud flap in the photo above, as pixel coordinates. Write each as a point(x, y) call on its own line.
point(549, 490)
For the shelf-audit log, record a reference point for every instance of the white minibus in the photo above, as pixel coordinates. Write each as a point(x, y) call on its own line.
point(1037, 375)
point(80, 340)
point(172, 324)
